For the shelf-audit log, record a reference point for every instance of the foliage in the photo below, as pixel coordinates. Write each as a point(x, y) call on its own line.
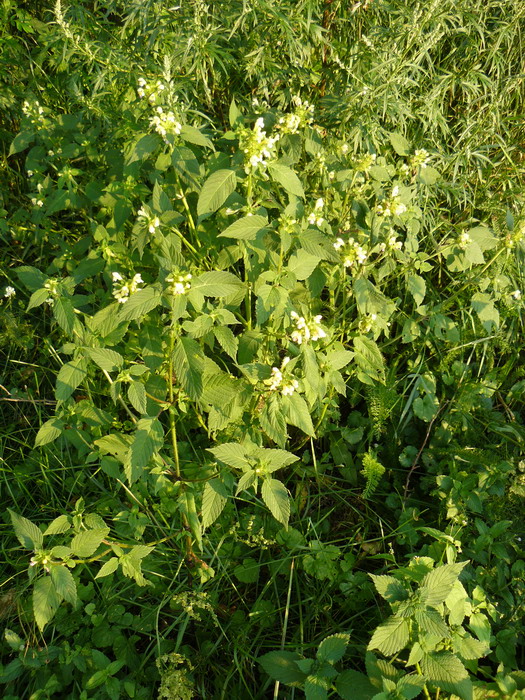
point(262, 320)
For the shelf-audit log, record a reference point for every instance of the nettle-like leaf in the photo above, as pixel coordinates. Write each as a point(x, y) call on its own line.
point(390, 588)
point(58, 526)
point(232, 454)
point(446, 671)
point(282, 666)
point(245, 229)
point(86, 543)
point(140, 303)
point(106, 359)
point(108, 567)
point(391, 636)
point(49, 431)
point(27, 533)
point(438, 583)
point(275, 495)
point(45, 601)
point(332, 649)
point(188, 365)
point(70, 375)
point(368, 358)
point(214, 498)
point(216, 191)
point(64, 583)
point(147, 439)
point(131, 563)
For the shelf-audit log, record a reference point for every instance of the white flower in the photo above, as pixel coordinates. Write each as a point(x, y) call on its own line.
point(397, 208)
point(116, 276)
point(319, 204)
point(464, 240)
point(395, 191)
point(180, 284)
point(339, 243)
point(9, 292)
point(516, 294)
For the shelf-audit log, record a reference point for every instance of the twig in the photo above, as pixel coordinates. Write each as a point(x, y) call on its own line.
point(416, 460)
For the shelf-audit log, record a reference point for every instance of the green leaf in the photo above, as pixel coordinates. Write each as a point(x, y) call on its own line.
point(45, 601)
point(161, 201)
point(391, 636)
point(287, 178)
point(438, 583)
point(469, 648)
point(273, 422)
point(69, 377)
point(248, 571)
point(272, 459)
point(216, 284)
point(137, 396)
point(282, 667)
point(369, 360)
point(147, 439)
point(302, 264)
point(400, 144)
point(275, 495)
point(315, 688)
point(214, 498)
point(297, 413)
point(352, 685)
point(106, 359)
point(430, 621)
point(140, 303)
point(390, 588)
point(27, 533)
point(483, 305)
point(188, 364)
point(49, 431)
point(64, 582)
point(21, 141)
point(58, 526)
point(216, 191)
point(447, 672)
point(143, 146)
point(131, 563)
point(108, 567)
point(38, 298)
point(332, 649)
point(64, 314)
point(228, 342)
point(417, 286)
point(245, 229)
point(32, 278)
point(410, 686)
point(187, 506)
point(232, 454)
point(85, 544)
point(339, 359)
point(192, 135)
point(428, 175)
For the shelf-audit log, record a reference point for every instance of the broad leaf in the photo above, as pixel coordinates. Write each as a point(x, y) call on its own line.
point(49, 431)
point(275, 495)
point(58, 526)
point(232, 454)
point(297, 413)
point(85, 544)
point(332, 649)
point(45, 601)
point(106, 359)
point(71, 374)
point(245, 229)
point(438, 583)
point(446, 671)
point(27, 533)
point(65, 584)
point(188, 364)
point(216, 191)
point(282, 667)
point(287, 178)
point(140, 303)
point(214, 499)
point(108, 567)
point(391, 636)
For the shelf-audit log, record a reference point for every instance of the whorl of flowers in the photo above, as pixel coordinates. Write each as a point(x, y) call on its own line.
point(257, 147)
point(306, 330)
point(278, 382)
point(354, 254)
point(122, 288)
point(146, 218)
point(165, 123)
point(302, 116)
point(392, 206)
point(315, 218)
point(179, 284)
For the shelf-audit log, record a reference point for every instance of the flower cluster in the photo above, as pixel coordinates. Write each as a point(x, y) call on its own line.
point(122, 289)
point(257, 147)
point(278, 382)
point(354, 254)
point(315, 218)
point(420, 158)
point(392, 206)
point(151, 91)
point(52, 287)
point(464, 240)
point(391, 242)
point(147, 219)
point(301, 117)
point(516, 294)
point(364, 163)
point(9, 292)
point(306, 330)
point(179, 284)
point(165, 123)
point(34, 112)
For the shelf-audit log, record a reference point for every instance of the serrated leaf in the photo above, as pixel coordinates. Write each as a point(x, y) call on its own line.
point(315, 688)
point(273, 422)
point(45, 601)
point(228, 342)
point(216, 284)
point(417, 286)
point(369, 360)
point(245, 229)
point(272, 459)
point(248, 572)
point(58, 526)
point(214, 498)
point(282, 667)
point(32, 278)
point(400, 144)
point(275, 495)
point(140, 303)
point(410, 686)
point(64, 314)
point(193, 135)
point(430, 621)
point(143, 146)
point(297, 413)
point(390, 588)
point(70, 375)
point(446, 671)
point(333, 648)
point(391, 636)
point(106, 359)
point(188, 360)
point(216, 191)
point(137, 396)
point(108, 567)
point(27, 533)
point(352, 685)
point(49, 431)
point(287, 178)
point(86, 543)
point(147, 439)
point(438, 583)
point(302, 264)
point(469, 648)
point(428, 175)
point(232, 454)
point(64, 582)
point(339, 359)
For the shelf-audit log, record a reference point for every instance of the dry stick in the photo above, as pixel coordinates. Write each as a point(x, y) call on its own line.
point(416, 460)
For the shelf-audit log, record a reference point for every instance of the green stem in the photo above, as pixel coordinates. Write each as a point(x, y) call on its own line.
point(172, 409)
